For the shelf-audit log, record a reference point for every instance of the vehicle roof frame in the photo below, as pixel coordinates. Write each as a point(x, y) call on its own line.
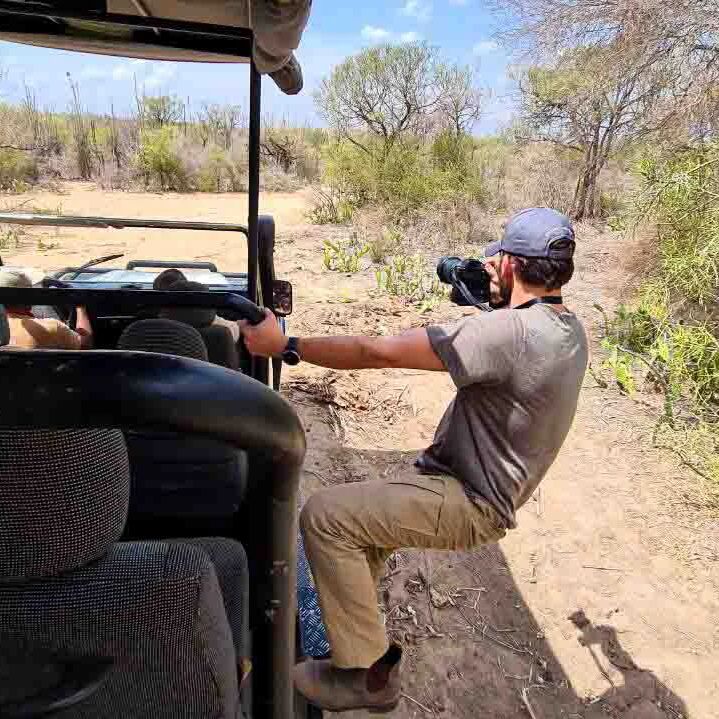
point(194, 37)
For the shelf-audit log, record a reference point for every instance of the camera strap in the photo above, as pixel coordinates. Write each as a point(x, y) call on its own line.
point(547, 300)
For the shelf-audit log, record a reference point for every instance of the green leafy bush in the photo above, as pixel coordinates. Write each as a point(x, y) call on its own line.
point(384, 244)
point(671, 333)
point(343, 256)
point(159, 163)
point(18, 170)
point(409, 277)
point(330, 208)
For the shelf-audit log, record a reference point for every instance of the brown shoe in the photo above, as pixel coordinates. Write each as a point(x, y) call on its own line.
point(339, 690)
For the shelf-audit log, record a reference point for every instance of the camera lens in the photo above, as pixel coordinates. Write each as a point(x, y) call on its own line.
point(445, 267)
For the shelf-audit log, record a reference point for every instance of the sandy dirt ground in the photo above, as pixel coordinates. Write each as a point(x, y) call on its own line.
point(603, 603)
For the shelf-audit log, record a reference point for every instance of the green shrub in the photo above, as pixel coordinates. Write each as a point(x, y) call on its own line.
point(330, 208)
point(409, 277)
point(452, 151)
point(343, 256)
point(18, 170)
point(158, 162)
point(671, 334)
point(209, 178)
point(9, 239)
point(386, 243)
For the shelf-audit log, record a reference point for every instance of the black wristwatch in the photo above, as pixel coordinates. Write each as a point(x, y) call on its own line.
point(291, 353)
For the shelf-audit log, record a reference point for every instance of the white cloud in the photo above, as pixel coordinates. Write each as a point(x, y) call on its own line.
point(410, 36)
point(160, 73)
point(420, 10)
point(461, 3)
point(485, 47)
point(376, 34)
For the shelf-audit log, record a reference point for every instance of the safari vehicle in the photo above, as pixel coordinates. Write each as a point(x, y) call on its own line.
point(182, 614)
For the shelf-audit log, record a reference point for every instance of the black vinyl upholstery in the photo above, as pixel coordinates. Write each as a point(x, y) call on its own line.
point(180, 485)
point(221, 348)
point(153, 612)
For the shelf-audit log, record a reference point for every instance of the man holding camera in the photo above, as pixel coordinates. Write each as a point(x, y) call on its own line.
point(518, 371)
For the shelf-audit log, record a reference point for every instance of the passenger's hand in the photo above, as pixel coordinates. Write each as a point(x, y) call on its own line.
point(265, 339)
point(83, 327)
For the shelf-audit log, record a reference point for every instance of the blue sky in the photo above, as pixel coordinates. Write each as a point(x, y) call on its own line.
point(462, 29)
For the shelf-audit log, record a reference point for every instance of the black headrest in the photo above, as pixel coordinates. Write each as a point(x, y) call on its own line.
point(63, 499)
point(165, 336)
point(194, 316)
point(4, 327)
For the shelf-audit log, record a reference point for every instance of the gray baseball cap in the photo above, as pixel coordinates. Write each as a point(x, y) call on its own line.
point(536, 232)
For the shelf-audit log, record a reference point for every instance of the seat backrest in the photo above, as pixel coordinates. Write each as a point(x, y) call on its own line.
point(148, 616)
point(180, 485)
point(221, 347)
point(165, 336)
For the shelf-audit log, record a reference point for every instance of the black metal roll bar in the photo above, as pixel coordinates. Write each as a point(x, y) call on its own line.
point(116, 223)
point(141, 390)
point(131, 299)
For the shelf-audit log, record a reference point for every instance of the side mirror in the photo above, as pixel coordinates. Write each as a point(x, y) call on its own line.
point(282, 297)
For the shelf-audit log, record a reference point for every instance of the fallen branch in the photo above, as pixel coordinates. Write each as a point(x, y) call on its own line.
point(525, 701)
point(421, 706)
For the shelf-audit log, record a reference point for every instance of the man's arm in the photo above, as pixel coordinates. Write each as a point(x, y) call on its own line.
point(409, 350)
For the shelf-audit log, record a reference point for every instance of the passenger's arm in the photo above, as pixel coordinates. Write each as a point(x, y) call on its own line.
point(410, 350)
point(83, 327)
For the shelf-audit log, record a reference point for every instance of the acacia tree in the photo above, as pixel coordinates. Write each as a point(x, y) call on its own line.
point(219, 122)
point(460, 101)
point(684, 31)
point(387, 92)
point(159, 111)
point(595, 100)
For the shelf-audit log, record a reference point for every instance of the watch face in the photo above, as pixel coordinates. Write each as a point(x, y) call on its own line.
point(290, 357)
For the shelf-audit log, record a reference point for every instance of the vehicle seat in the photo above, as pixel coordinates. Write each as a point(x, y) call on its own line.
point(221, 347)
point(180, 485)
point(136, 629)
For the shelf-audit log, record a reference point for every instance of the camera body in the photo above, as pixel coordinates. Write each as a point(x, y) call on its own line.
point(469, 280)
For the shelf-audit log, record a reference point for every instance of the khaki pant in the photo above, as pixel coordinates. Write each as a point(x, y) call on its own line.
point(350, 530)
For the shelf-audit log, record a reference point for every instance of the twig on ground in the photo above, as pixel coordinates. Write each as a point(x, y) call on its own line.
point(525, 700)
point(322, 479)
point(506, 675)
point(414, 701)
point(601, 569)
point(484, 627)
point(428, 584)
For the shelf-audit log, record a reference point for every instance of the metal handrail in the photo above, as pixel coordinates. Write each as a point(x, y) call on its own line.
point(116, 223)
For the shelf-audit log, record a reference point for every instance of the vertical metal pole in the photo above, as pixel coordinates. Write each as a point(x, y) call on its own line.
point(254, 181)
point(259, 365)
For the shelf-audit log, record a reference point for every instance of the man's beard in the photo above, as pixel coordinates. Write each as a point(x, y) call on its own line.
point(501, 298)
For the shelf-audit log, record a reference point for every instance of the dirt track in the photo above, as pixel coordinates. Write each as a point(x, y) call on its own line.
point(618, 532)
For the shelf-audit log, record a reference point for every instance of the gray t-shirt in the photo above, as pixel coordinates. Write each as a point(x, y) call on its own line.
point(518, 374)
